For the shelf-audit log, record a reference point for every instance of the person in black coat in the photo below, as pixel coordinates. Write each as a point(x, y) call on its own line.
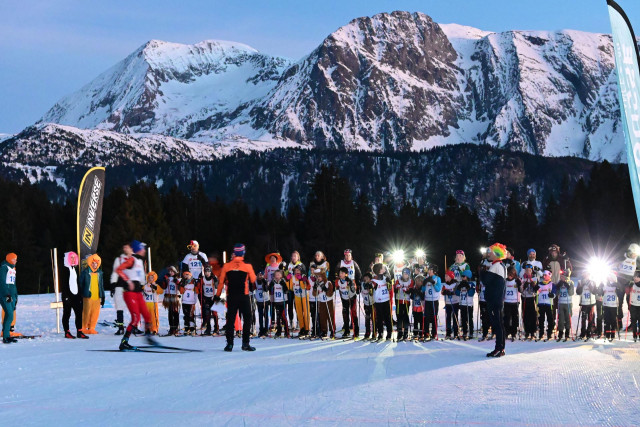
point(71, 297)
point(494, 281)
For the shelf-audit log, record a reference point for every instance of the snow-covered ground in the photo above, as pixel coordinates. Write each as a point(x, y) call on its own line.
point(53, 381)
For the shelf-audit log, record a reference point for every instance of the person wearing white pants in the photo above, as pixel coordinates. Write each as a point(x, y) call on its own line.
point(117, 289)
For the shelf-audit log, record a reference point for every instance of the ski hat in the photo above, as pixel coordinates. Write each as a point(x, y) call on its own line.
point(528, 265)
point(554, 247)
point(347, 251)
point(499, 250)
point(207, 267)
point(11, 258)
point(379, 255)
point(172, 268)
point(344, 270)
point(406, 271)
point(466, 273)
point(634, 249)
point(546, 275)
point(531, 251)
point(137, 246)
point(70, 259)
point(193, 243)
point(460, 252)
point(153, 276)
point(510, 250)
point(450, 274)
point(239, 249)
point(273, 254)
point(261, 272)
point(433, 267)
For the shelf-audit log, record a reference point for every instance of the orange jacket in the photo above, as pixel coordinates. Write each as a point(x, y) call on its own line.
point(238, 274)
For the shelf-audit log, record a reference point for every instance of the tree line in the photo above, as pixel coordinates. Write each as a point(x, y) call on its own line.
point(597, 215)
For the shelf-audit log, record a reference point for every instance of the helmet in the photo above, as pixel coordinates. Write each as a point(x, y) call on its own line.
point(406, 271)
point(634, 249)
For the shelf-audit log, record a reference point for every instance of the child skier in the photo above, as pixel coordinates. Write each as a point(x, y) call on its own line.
point(189, 290)
point(8, 295)
point(348, 295)
point(529, 291)
point(278, 290)
point(610, 306)
point(460, 265)
point(298, 282)
point(512, 303)
point(321, 264)
point(171, 301)
point(382, 293)
point(451, 304)
point(367, 301)
point(323, 291)
point(545, 297)
point(92, 292)
point(431, 289)
point(207, 285)
point(465, 292)
point(634, 304)
point(151, 290)
point(70, 300)
point(587, 290)
point(417, 299)
point(292, 303)
point(403, 303)
point(565, 291)
point(263, 303)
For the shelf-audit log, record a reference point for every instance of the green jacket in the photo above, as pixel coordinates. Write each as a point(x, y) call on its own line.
point(84, 283)
point(7, 288)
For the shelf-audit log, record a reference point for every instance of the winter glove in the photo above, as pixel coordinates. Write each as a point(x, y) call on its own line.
point(216, 299)
point(112, 293)
point(552, 295)
point(352, 288)
point(101, 302)
point(8, 298)
point(324, 288)
point(154, 288)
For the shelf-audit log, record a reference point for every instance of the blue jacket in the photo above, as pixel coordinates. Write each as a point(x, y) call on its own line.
point(84, 283)
point(7, 289)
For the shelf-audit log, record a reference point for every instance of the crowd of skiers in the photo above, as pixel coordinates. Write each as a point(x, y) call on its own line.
point(529, 300)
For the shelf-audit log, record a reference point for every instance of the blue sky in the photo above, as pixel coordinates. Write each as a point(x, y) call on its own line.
point(49, 48)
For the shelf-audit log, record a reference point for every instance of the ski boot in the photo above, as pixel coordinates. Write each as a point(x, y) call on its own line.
point(69, 335)
point(229, 347)
point(247, 347)
point(81, 334)
point(120, 330)
point(207, 331)
point(9, 340)
point(124, 344)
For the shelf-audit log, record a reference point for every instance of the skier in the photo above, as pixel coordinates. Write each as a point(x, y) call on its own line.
point(546, 294)
point(587, 290)
point(291, 305)
point(353, 269)
point(431, 289)
point(529, 292)
point(610, 302)
point(494, 281)
point(298, 282)
point(382, 296)
point(323, 291)
point(634, 304)
point(482, 304)
point(565, 290)
point(403, 303)
point(70, 300)
point(172, 299)
point(625, 272)
point(208, 283)
point(512, 303)
point(451, 304)
point(278, 289)
point(151, 290)
point(459, 265)
point(465, 292)
point(417, 299)
point(379, 259)
point(8, 295)
point(555, 262)
point(117, 290)
point(239, 275)
point(536, 265)
point(195, 260)
point(132, 272)
point(348, 295)
point(261, 295)
point(319, 263)
point(91, 284)
point(189, 290)
point(366, 291)
point(274, 263)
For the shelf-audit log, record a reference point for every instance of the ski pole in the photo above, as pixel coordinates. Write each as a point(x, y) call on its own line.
point(626, 330)
point(578, 323)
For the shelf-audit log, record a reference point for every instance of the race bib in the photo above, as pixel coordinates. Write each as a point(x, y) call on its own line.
point(188, 295)
point(297, 291)
point(208, 290)
point(11, 277)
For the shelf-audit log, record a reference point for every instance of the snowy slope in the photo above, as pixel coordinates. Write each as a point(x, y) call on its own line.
point(54, 381)
point(393, 81)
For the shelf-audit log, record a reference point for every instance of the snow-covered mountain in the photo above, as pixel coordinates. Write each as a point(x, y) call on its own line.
point(395, 81)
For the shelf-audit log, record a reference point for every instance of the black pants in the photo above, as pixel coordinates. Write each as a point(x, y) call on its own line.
point(188, 315)
point(69, 304)
point(610, 322)
point(368, 310)
point(431, 318)
point(291, 306)
point(315, 318)
point(511, 318)
point(281, 319)
point(418, 321)
point(120, 318)
point(174, 318)
point(484, 318)
point(403, 319)
point(496, 316)
point(263, 316)
point(235, 304)
point(466, 320)
point(350, 315)
point(529, 317)
point(206, 303)
point(452, 311)
point(383, 317)
point(621, 294)
point(545, 311)
point(634, 314)
point(599, 317)
point(588, 326)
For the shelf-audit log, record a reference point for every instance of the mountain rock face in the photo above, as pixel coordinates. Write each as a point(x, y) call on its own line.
point(392, 82)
